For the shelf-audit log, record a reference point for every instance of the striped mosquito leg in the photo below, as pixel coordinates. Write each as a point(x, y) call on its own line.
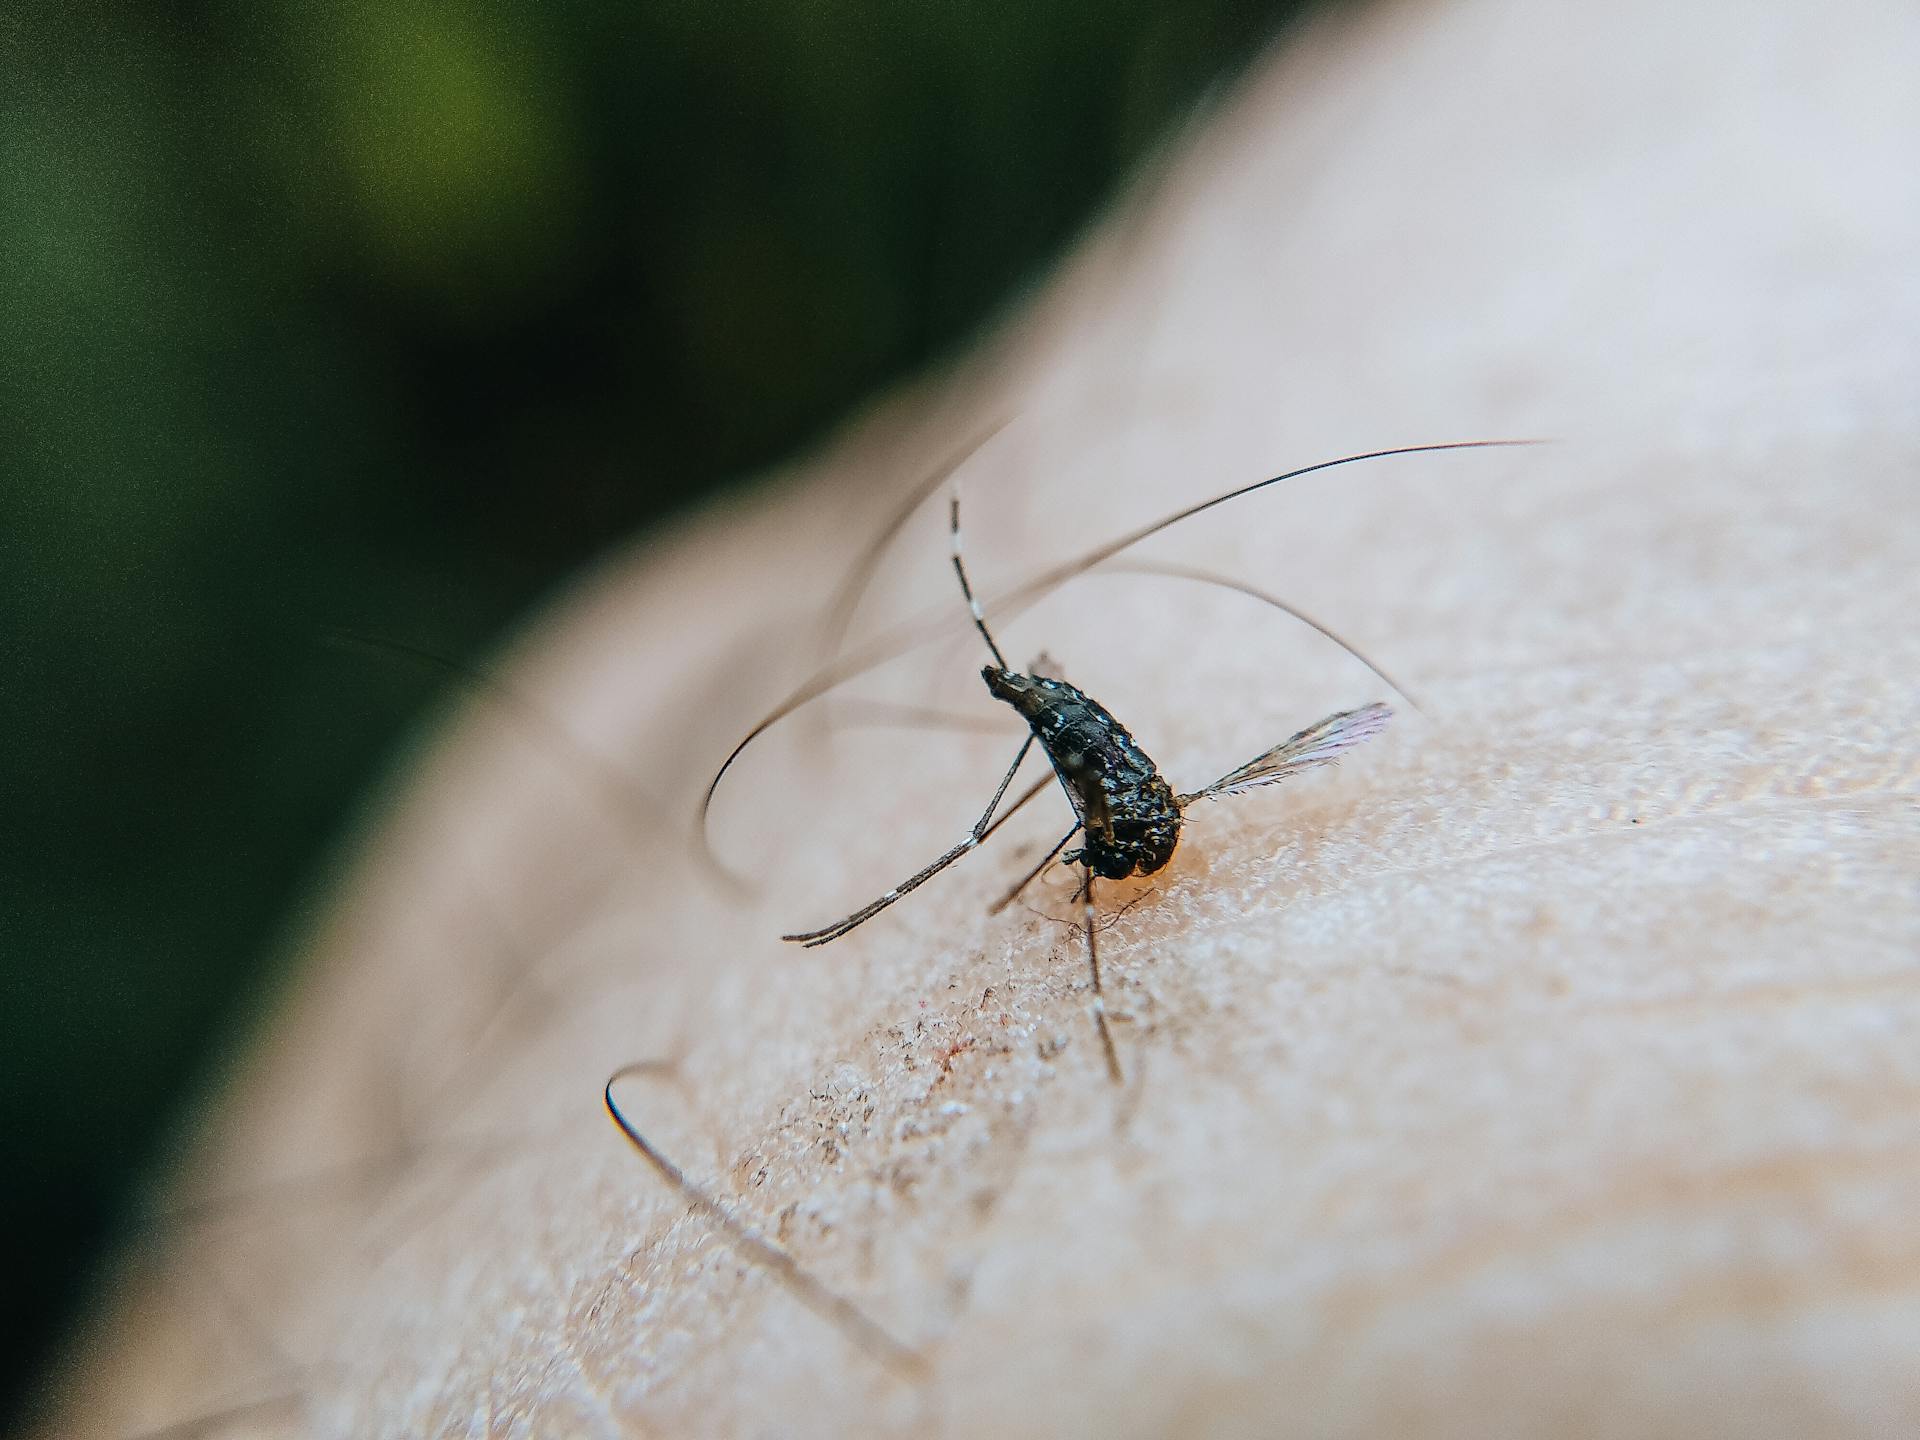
point(866, 912)
point(1007, 814)
point(872, 908)
point(1099, 995)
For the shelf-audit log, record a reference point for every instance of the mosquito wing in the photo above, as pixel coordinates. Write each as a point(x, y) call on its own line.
point(1320, 744)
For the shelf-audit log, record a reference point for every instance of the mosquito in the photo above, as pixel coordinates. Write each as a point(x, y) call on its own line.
point(901, 639)
point(1130, 816)
point(1130, 819)
point(1127, 815)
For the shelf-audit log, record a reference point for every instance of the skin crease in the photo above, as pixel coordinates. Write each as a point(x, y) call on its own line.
point(1546, 1068)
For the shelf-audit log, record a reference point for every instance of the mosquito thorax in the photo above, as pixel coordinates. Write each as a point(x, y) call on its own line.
point(1132, 821)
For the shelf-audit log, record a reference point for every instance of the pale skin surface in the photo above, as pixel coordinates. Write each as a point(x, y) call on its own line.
point(1549, 1068)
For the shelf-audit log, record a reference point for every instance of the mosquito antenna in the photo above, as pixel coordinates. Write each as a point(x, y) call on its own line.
point(838, 1311)
point(1206, 577)
point(966, 589)
point(903, 638)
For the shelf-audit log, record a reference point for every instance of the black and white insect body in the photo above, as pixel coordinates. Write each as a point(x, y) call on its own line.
point(1130, 815)
point(1131, 818)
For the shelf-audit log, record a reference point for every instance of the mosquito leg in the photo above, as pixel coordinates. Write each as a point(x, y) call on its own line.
point(872, 908)
point(846, 923)
point(1032, 875)
point(1007, 814)
point(1099, 995)
point(837, 1310)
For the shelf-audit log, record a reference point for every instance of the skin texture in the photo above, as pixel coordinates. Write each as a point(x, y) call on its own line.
point(1546, 1068)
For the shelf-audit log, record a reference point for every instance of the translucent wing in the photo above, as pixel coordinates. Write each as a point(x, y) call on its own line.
point(1320, 744)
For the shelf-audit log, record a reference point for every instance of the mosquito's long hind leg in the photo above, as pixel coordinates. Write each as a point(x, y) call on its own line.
point(1099, 994)
point(837, 1310)
point(1014, 809)
point(1033, 874)
point(866, 912)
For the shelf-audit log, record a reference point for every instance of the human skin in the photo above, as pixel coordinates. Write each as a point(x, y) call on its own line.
point(1548, 1068)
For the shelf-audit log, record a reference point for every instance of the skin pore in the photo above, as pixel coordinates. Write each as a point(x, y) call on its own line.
point(1545, 1068)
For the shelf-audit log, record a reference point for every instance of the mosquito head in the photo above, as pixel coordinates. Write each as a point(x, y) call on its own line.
point(1027, 694)
point(1003, 684)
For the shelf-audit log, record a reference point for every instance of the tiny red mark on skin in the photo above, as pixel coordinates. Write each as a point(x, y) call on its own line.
point(958, 1047)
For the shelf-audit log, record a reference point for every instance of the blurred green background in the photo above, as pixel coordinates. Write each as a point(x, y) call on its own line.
point(385, 315)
